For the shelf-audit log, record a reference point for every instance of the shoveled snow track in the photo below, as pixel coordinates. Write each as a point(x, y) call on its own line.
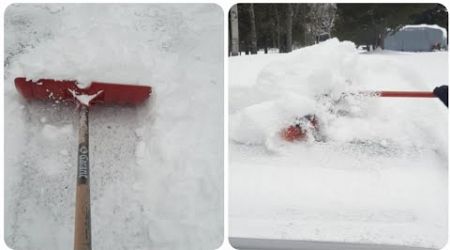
point(150, 188)
point(48, 174)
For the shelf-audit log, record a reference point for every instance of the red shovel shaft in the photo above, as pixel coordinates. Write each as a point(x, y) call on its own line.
point(420, 94)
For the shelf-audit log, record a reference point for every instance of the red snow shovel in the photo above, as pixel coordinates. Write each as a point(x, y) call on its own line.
point(96, 93)
point(309, 123)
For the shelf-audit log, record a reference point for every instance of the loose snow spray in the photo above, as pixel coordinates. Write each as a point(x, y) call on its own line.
point(258, 123)
point(296, 84)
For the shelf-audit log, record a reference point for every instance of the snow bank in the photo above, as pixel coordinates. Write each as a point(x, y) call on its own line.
point(150, 187)
point(379, 176)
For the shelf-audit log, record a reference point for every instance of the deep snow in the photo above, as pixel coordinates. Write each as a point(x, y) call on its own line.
point(380, 175)
point(156, 169)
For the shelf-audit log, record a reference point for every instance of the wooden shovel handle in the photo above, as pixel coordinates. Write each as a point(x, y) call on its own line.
point(82, 219)
point(82, 204)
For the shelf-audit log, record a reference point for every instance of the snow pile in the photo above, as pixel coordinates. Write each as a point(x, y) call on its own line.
point(150, 187)
point(294, 85)
point(380, 174)
point(84, 46)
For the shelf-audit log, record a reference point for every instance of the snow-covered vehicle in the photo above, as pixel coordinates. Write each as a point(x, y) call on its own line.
point(417, 38)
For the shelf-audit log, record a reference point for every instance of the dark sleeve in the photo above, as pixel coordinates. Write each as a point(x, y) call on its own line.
point(442, 93)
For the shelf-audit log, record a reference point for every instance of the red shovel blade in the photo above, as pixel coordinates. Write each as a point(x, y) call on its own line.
point(293, 133)
point(303, 128)
point(108, 93)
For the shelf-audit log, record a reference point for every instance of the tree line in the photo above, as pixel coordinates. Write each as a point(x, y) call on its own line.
point(284, 27)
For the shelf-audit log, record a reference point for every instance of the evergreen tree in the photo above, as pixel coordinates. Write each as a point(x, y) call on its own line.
point(370, 23)
point(438, 14)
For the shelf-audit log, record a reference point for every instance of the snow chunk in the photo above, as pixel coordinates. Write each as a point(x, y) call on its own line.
point(85, 99)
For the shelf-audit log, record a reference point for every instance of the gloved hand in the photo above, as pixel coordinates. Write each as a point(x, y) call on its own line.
point(442, 93)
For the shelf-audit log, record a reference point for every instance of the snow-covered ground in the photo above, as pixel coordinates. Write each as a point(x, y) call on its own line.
point(156, 169)
point(380, 173)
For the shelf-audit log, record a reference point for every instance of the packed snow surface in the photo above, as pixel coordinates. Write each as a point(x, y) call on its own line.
point(378, 174)
point(156, 169)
